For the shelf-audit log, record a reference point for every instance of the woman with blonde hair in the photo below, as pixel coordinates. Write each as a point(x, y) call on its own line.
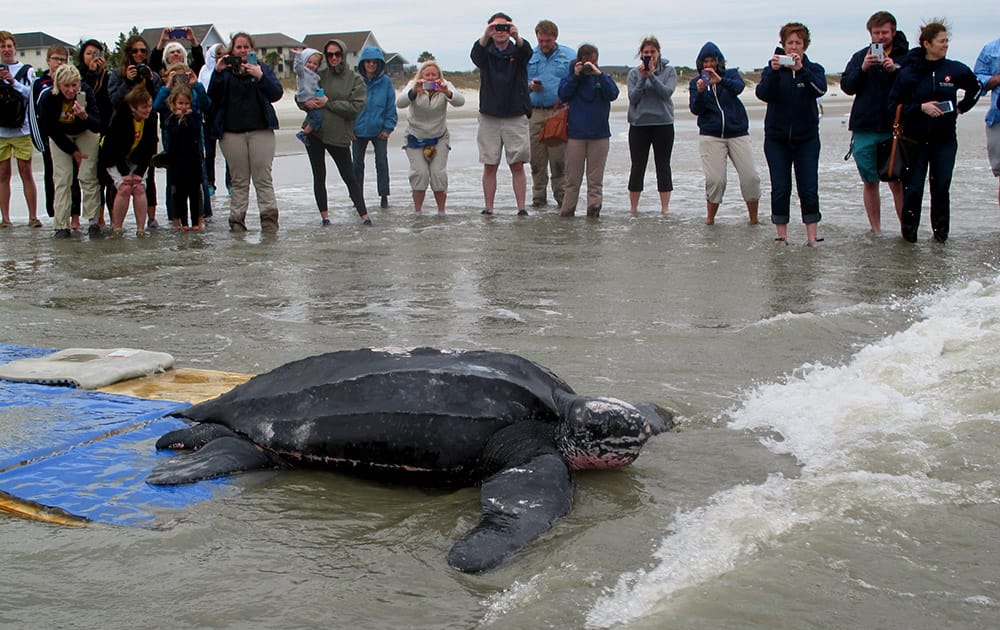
point(71, 119)
point(427, 142)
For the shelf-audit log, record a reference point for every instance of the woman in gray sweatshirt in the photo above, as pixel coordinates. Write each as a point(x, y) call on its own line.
point(651, 122)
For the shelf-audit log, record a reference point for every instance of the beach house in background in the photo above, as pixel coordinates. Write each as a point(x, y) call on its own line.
point(275, 49)
point(355, 41)
point(32, 48)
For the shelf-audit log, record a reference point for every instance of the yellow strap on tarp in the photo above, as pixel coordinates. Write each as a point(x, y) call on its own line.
point(38, 512)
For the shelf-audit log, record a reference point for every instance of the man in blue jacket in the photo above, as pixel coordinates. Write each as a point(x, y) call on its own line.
point(504, 107)
point(869, 76)
point(549, 63)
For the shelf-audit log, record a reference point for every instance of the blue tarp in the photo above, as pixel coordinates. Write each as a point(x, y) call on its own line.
point(86, 452)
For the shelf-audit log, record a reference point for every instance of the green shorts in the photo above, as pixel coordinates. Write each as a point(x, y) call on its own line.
point(865, 151)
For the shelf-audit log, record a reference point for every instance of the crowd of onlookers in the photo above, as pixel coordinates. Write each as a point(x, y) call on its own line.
point(102, 131)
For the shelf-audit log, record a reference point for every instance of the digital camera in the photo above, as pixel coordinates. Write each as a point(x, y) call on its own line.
point(588, 69)
point(646, 59)
point(179, 79)
point(502, 27)
point(142, 70)
point(177, 33)
point(233, 61)
point(786, 60)
point(430, 86)
point(878, 51)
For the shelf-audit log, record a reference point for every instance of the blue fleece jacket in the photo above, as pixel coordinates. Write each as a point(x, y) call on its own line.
point(379, 113)
point(791, 96)
point(589, 98)
point(870, 88)
point(720, 111)
point(550, 69)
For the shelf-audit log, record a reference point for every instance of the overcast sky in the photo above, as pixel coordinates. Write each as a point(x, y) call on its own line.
point(746, 30)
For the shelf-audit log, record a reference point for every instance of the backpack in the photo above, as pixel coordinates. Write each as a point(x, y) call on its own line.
point(13, 106)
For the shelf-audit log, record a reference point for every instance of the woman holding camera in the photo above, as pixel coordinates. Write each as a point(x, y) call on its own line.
point(651, 122)
point(135, 71)
point(71, 119)
point(242, 90)
point(589, 93)
point(927, 88)
point(723, 130)
point(427, 141)
point(790, 85)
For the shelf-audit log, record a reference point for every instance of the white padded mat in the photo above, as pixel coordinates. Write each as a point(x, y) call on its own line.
point(87, 368)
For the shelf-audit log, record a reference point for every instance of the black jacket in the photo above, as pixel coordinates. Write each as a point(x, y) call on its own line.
point(870, 111)
point(922, 81)
point(503, 79)
point(116, 148)
point(792, 113)
point(59, 132)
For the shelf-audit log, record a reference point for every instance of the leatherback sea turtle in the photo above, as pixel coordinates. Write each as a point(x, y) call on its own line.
point(422, 416)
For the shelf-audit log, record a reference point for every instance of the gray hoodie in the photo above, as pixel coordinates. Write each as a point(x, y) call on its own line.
point(650, 99)
point(306, 81)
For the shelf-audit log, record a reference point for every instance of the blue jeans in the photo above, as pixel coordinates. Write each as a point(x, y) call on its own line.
point(939, 159)
point(782, 155)
point(358, 147)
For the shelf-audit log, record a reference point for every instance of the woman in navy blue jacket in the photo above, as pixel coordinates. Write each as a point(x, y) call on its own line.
point(589, 93)
point(790, 85)
point(927, 88)
point(724, 130)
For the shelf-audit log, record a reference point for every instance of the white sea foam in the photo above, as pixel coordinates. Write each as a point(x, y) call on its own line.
point(867, 434)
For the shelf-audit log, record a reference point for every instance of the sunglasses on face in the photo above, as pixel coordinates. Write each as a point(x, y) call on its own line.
point(334, 54)
point(137, 51)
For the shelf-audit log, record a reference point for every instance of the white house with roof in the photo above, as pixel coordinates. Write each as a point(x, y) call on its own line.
point(32, 48)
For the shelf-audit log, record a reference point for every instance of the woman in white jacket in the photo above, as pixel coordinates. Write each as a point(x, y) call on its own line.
point(427, 144)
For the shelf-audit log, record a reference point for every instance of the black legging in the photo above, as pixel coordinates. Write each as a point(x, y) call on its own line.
point(661, 138)
point(342, 158)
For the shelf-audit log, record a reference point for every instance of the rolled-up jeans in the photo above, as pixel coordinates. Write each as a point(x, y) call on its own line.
point(782, 155)
point(249, 155)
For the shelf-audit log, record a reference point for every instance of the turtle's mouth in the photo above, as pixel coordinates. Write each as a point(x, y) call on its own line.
point(609, 453)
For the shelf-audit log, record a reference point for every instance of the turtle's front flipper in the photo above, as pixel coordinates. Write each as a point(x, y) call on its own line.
point(518, 505)
point(192, 438)
point(219, 458)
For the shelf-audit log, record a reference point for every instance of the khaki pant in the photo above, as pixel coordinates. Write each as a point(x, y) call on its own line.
point(542, 159)
point(249, 155)
point(714, 152)
point(62, 176)
point(588, 156)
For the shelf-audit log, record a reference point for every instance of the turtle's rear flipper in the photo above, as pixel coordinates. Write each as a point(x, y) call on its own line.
point(219, 458)
point(518, 505)
point(192, 438)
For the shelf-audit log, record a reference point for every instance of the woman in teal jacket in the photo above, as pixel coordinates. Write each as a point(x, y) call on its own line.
point(376, 121)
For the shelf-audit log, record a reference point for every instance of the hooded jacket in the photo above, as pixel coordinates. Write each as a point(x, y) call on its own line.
point(99, 81)
point(503, 78)
point(379, 113)
point(870, 111)
point(345, 92)
point(923, 80)
point(720, 111)
point(792, 114)
point(306, 81)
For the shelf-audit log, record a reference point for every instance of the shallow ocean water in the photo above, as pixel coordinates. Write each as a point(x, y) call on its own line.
point(835, 464)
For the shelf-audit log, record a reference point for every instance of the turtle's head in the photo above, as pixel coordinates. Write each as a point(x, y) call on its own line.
point(601, 432)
